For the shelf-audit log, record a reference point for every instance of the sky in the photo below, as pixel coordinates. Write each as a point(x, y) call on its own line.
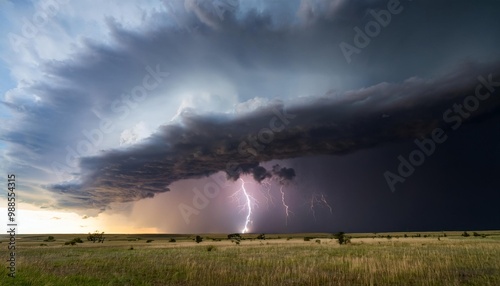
point(261, 116)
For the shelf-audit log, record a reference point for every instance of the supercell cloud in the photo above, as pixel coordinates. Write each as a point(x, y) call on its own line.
point(337, 124)
point(117, 106)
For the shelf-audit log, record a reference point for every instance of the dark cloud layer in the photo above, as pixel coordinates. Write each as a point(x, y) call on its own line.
point(334, 124)
point(395, 89)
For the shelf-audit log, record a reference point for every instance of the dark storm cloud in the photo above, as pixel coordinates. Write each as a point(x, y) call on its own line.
point(264, 53)
point(284, 174)
point(244, 44)
point(331, 125)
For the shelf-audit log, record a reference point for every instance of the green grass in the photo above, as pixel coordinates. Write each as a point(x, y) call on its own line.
point(451, 260)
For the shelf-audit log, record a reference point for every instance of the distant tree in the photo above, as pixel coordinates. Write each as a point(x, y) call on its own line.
point(49, 239)
point(198, 239)
point(342, 238)
point(465, 234)
point(96, 237)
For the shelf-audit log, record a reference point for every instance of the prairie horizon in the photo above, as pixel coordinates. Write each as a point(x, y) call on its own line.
point(250, 142)
point(431, 258)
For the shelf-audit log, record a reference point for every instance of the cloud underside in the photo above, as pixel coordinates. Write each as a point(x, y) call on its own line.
point(334, 124)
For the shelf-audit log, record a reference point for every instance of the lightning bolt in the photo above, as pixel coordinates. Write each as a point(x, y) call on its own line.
point(326, 203)
point(318, 200)
point(267, 186)
point(266, 192)
point(313, 200)
point(249, 203)
point(287, 211)
point(249, 206)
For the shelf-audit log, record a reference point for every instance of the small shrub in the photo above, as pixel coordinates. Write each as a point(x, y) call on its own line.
point(43, 244)
point(318, 241)
point(131, 248)
point(465, 234)
point(405, 235)
point(172, 240)
point(476, 234)
point(78, 240)
point(389, 237)
point(211, 247)
point(49, 239)
point(234, 236)
point(307, 238)
point(149, 241)
point(342, 238)
point(198, 239)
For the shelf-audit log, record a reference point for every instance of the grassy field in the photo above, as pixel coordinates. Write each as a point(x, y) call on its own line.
point(280, 259)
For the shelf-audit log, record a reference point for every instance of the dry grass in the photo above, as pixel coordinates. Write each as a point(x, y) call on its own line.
point(366, 261)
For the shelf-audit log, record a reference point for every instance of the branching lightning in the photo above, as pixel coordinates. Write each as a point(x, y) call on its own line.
point(266, 192)
point(247, 202)
point(318, 200)
point(248, 205)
